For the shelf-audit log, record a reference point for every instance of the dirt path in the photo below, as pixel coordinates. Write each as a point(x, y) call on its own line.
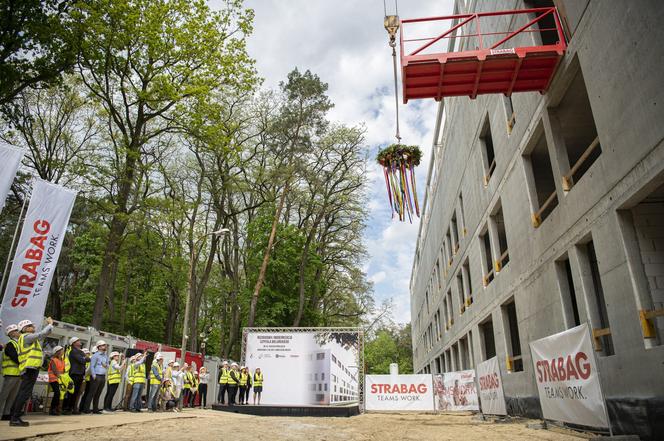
point(212, 425)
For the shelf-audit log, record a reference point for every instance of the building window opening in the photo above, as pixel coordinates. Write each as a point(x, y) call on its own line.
point(514, 358)
point(579, 133)
point(510, 116)
point(462, 303)
point(544, 183)
point(488, 153)
point(462, 217)
point(489, 344)
point(568, 292)
point(448, 241)
point(487, 265)
point(546, 25)
point(449, 306)
point(499, 223)
point(468, 282)
point(455, 234)
point(601, 335)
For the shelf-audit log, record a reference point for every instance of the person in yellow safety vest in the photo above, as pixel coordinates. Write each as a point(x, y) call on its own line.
point(258, 385)
point(188, 383)
point(233, 381)
point(129, 376)
point(223, 383)
point(245, 384)
point(56, 369)
point(167, 396)
point(168, 372)
point(10, 372)
point(138, 379)
point(30, 359)
point(156, 378)
point(113, 378)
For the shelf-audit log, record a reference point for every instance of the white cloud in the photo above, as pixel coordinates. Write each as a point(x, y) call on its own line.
point(344, 42)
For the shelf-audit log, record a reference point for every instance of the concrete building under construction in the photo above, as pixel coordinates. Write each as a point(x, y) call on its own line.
point(545, 209)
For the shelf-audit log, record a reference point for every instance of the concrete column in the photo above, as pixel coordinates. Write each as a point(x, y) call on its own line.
point(557, 150)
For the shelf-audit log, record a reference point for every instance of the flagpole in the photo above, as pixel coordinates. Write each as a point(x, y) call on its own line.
point(11, 248)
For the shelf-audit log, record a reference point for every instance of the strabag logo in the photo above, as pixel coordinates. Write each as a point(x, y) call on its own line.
point(34, 255)
point(396, 392)
point(561, 369)
point(489, 381)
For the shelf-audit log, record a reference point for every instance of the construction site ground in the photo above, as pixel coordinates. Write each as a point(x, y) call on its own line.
point(211, 425)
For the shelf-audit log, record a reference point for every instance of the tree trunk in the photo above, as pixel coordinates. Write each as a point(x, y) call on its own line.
point(109, 266)
point(172, 312)
point(125, 299)
point(304, 260)
point(266, 257)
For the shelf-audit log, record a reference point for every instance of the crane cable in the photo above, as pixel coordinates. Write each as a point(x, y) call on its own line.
point(392, 25)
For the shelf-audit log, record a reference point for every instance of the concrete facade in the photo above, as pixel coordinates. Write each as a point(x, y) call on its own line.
point(493, 270)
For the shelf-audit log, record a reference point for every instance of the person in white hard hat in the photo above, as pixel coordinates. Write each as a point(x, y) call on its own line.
point(10, 372)
point(156, 378)
point(76, 360)
point(223, 382)
point(30, 358)
point(233, 383)
point(138, 379)
point(129, 376)
point(113, 379)
point(178, 383)
point(203, 380)
point(98, 370)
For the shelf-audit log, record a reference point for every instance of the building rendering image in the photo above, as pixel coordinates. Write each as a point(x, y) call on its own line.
point(545, 210)
point(332, 377)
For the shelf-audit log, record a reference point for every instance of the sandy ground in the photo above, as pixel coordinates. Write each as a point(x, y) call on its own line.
point(211, 425)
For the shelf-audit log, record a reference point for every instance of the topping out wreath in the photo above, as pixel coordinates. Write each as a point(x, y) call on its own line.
point(399, 162)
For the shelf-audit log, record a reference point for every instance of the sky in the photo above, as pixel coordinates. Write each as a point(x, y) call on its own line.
point(345, 44)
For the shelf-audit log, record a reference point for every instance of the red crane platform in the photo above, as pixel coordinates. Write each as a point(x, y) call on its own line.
point(477, 62)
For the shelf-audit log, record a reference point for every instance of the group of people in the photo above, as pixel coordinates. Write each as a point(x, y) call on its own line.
point(236, 382)
point(77, 377)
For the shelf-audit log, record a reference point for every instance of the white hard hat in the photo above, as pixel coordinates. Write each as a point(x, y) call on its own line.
point(234, 364)
point(114, 353)
point(100, 343)
point(159, 356)
point(11, 328)
point(73, 340)
point(176, 364)
point(86, 350)
point(243, 367)
point(94, 349)
point(23, 323)
point(171, 361)
point(225, 362)
point(57, 348)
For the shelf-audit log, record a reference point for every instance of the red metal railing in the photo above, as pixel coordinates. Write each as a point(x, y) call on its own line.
point(467, 30)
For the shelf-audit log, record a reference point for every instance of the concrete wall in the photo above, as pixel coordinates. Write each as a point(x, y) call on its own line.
point(616, 46)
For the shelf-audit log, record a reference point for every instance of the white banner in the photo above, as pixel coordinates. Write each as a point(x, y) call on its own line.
point(492, 397)
point(567, 379)
point(398, 392)
point(10, 158)
point(305, 368)
point(456, 391)
point(37, 253)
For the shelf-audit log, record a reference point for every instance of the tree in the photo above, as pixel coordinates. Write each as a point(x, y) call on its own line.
point(145, 63)
point(389, 344)
point(37, 44)
point(302, 116)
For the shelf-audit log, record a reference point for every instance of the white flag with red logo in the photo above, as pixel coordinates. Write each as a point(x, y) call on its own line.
point(10, 161)
point(37, 253)
point(567, 378)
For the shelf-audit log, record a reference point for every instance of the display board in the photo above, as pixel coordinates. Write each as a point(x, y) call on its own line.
point(305, 366)
point(490, 382)
point(456, 391)
point(567, 378)
point(399, 392)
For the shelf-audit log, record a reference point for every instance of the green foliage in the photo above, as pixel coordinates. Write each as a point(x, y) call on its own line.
point(389, 344)
point(38, 44)
point(398, 153)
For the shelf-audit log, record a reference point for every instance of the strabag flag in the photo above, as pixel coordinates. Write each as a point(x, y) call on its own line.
point(492, 397)
point(37, 253)
point(399, 392)
point(567, 380)
point(10, 158)
point(456, 391)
